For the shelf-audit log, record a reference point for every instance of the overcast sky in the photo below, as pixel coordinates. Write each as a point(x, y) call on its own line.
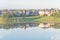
point(29, 4)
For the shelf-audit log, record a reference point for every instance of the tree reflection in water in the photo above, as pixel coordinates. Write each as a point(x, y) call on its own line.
point(28, 25)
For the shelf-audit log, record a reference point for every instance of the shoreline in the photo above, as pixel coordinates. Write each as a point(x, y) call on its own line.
point(32, 19)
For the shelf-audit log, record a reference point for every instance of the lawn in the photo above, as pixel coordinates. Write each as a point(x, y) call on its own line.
point(31, 19)
point(2, 20)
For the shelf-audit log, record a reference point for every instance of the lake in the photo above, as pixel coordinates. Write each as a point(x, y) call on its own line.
point(30, 31)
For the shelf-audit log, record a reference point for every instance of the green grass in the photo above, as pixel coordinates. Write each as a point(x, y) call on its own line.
point(32, 19)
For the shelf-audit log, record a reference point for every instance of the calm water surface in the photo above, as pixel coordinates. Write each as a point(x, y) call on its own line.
point(30, 31)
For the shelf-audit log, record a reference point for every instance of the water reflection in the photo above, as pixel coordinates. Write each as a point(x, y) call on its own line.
point(30, 25)
point(34, 31)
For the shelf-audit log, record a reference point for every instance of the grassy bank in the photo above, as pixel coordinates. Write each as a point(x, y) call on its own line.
point(32, 19)
point(2, 20)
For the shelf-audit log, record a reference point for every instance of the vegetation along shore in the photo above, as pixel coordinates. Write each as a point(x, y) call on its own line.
point(29, 16)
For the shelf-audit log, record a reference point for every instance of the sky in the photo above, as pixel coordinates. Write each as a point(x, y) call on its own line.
point(29, 4)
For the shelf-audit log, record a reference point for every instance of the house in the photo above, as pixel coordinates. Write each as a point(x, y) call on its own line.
point(54, 10)
point(4, 11)
point(41, 12)
point(9, 13)
point(31, 12)
point(57, 10)
point(27, 12)
point(23, 11)
point(44, 12)
point(47, 12)
point(1, 13)
point(34, 12)
point(15, 13)
point(18, 13)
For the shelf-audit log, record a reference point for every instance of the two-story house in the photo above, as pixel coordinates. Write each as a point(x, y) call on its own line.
point(44, 12)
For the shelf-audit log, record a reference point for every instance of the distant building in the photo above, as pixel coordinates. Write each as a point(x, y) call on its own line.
point(23, 11)
point(4, 11)
point(16, 13)
point(41, 12)
point(1, 13)
point(34, 12)
point(27, 12)
point(54, 10)
point(20, 13)
point(44, 12)
point(31, 12)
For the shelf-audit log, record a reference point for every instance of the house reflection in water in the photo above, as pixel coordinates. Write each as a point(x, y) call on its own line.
point(26, 25)
point(44, 25)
